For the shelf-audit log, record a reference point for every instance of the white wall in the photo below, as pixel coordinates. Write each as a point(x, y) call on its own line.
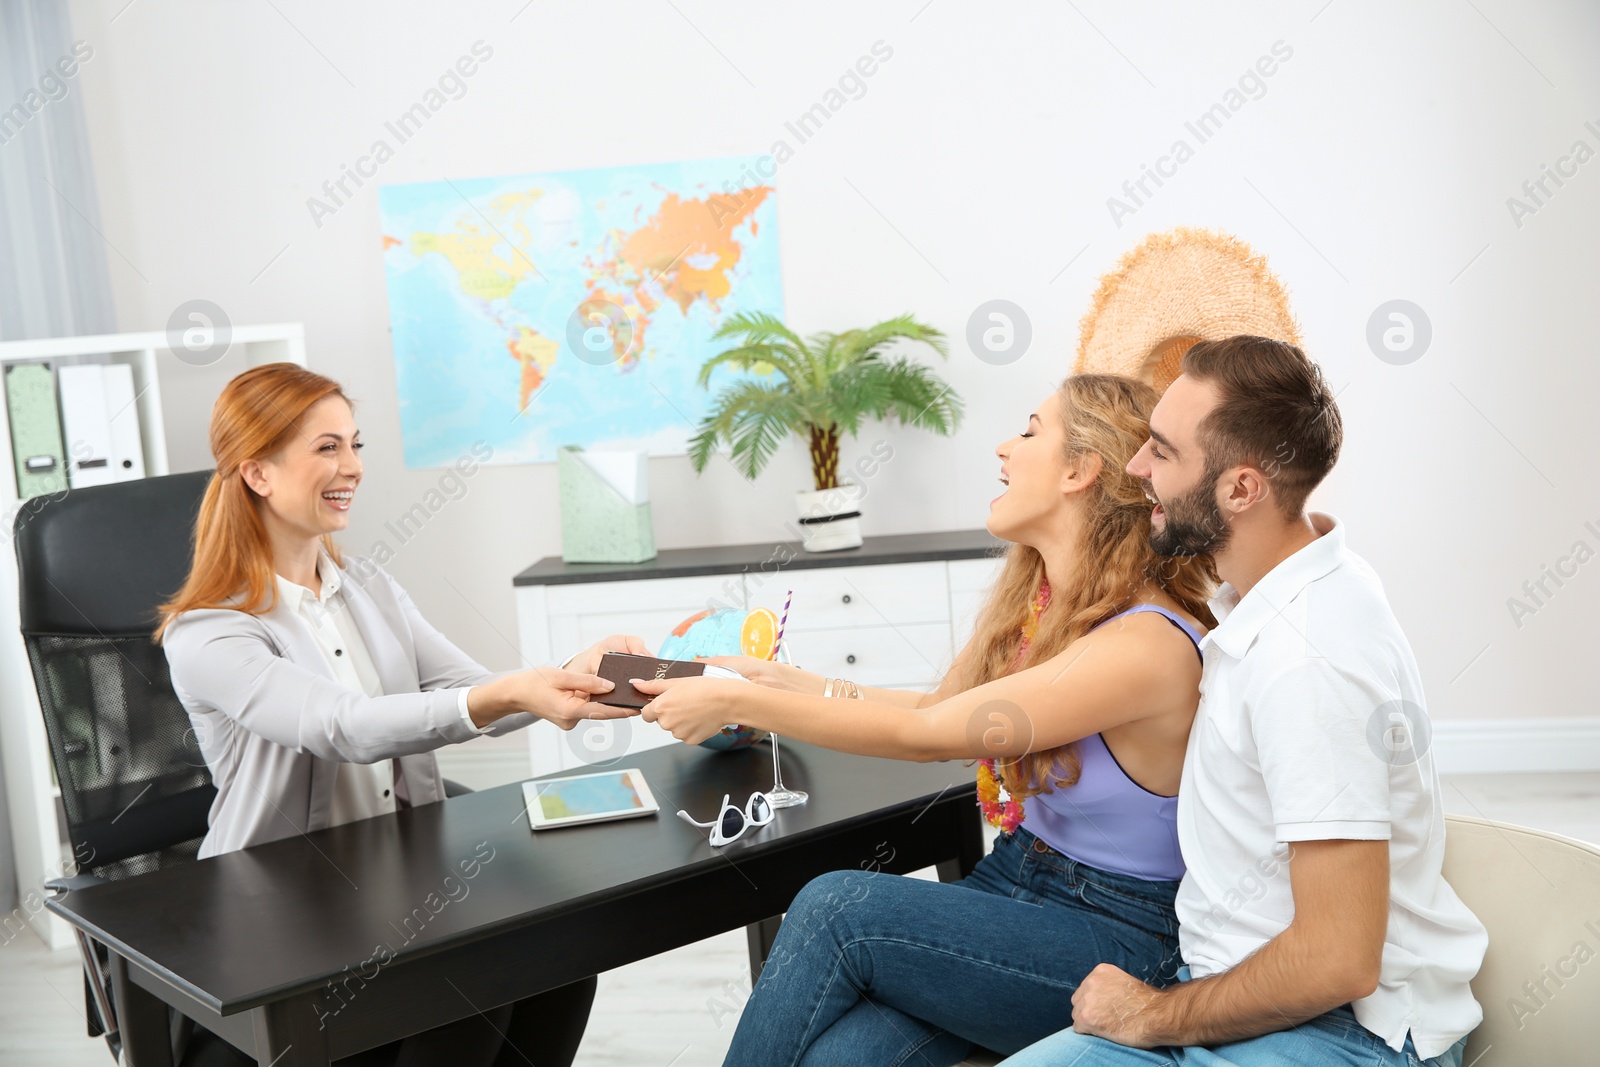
point(978, 164)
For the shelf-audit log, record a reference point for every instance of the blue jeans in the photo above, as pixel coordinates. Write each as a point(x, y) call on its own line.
point(1334, 1039)
point(886, 970)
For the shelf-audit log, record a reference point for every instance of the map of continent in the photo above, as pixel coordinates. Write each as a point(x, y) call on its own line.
point(571, 308)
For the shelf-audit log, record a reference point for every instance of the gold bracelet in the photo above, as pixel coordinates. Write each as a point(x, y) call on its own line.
point(842, 687)
point(836, 688)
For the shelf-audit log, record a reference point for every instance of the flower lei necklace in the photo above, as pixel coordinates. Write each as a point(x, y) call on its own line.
point(999, 808)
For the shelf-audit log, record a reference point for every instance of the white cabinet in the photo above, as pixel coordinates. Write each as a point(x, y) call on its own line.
point(865, 596)
point(31, 793)
point(886, 625)
point(554, 621)
point(907, 656)
point(892, 624)
point(580, 615)
point(970, 580)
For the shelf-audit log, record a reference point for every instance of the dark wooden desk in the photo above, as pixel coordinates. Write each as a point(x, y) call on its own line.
point(315, 947)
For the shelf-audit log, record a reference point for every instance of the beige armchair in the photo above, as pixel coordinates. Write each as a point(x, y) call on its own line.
point(1538, 894)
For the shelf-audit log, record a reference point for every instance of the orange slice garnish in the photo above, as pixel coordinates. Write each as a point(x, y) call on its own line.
point(759, 635)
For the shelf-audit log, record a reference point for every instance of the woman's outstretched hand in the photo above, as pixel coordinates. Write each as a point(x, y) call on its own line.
point(770, 673)
point(563, 697)
point(588, 661)
point(566, 698)
point(693, 709)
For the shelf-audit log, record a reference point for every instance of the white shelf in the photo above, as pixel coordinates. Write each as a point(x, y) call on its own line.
point(31, 793)
point(280, 343)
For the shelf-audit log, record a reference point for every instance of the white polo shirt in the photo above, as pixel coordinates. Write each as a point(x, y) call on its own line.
point(1312, 727)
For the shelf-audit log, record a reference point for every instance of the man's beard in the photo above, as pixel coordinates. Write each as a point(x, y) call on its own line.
point(1194, 525)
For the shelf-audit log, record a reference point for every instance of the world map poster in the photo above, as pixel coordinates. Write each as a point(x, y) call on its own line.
point(570, 308)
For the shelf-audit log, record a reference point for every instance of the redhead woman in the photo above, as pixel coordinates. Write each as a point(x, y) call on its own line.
point(318, 691)
point(1076, 692)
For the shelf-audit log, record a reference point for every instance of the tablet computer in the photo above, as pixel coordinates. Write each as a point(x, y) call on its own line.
point(585, 798)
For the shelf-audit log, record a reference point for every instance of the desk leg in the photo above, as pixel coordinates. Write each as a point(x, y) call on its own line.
point(969, 848)
point(141, 1019)
point(759, 937)
point(287, 1035)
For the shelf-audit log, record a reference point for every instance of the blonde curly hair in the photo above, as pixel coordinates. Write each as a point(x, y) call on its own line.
point(1109, 415)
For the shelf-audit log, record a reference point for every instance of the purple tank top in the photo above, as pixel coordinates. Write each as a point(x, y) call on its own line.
point(1106, 819)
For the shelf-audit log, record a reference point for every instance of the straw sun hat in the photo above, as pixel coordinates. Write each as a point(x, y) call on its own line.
point(1172, 291)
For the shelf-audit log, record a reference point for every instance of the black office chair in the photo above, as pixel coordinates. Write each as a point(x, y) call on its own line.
point(93, 566)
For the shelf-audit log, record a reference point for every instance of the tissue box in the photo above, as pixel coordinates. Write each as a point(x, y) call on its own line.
point(605, 507)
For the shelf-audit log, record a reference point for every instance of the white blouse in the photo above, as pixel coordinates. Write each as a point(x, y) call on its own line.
point(361, 790)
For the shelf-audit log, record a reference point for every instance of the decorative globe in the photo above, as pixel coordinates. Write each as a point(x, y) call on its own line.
point(733, 738)
point(724, 632)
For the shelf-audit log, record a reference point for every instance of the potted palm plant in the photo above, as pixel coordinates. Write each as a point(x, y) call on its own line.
point(819, 388)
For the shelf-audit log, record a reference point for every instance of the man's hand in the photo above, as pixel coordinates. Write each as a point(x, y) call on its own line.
point(1113, 1004)
point(1330, 954)
point(692, 709)
point(588, 661)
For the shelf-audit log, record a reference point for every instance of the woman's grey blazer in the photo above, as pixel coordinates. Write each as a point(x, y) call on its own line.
point(273, 724)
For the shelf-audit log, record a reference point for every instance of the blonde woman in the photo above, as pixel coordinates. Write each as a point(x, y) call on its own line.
point(1077, 691)
point(317, 690)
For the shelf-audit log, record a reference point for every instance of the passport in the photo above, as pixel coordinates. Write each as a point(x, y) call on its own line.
point(618, 667)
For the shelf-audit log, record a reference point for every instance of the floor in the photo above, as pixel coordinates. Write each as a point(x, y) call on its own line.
point(678, 1009)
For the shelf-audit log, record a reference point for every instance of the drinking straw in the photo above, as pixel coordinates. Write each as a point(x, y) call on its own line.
point(783, 620)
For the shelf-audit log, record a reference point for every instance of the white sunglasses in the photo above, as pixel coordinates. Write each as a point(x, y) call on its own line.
point(731, 822)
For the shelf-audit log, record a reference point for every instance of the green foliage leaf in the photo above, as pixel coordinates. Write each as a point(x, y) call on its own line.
point(921, 398)
point(829, 380)
point(752, 417)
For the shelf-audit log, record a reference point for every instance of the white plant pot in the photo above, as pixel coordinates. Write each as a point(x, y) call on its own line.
point(830, 519)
